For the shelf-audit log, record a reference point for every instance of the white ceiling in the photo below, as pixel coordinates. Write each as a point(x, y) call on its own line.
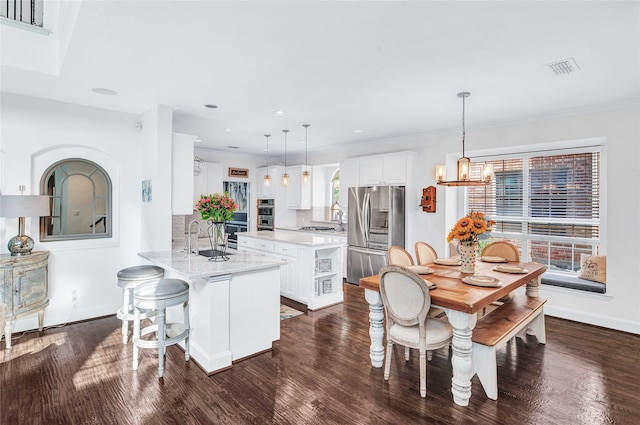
point(391, 69)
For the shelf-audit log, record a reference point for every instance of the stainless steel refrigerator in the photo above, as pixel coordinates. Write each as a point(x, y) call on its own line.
point(376, 219)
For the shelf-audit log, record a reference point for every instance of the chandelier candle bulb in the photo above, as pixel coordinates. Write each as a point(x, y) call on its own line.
point(440, 172)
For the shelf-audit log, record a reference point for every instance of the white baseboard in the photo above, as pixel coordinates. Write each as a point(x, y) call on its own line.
point(592, 319)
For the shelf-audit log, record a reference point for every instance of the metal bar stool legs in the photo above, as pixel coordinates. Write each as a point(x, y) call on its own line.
point(156, 297)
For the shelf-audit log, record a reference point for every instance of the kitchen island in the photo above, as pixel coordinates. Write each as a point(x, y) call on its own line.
point(314, 264)
point(234, 304)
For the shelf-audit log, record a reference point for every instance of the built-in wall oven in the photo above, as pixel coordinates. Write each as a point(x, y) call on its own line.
point(237, 225)
point(265, 214)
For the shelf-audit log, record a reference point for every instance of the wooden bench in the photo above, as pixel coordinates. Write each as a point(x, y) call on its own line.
point(495, 329)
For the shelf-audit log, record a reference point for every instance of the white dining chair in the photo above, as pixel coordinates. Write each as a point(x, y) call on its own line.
point(425, 253)
point(406, 301)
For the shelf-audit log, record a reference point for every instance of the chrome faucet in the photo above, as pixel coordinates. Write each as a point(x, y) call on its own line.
point(189, 251)
point(340, 223)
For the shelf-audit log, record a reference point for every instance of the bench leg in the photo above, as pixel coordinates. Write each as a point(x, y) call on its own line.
point(537, 328)
point(485, 366)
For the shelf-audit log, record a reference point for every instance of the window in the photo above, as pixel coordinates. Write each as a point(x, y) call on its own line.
point(80, 193)
point(335, 195)
point(548, 204)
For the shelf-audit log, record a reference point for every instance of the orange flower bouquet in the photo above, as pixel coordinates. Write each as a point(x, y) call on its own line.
point(469, 228)
point(467, 231)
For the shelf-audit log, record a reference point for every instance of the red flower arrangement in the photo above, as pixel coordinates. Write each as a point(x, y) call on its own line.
point(216, 207)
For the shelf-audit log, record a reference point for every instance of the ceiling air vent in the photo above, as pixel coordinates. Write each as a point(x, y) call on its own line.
point(565, 66)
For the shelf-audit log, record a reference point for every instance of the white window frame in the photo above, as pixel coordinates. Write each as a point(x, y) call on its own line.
point(527, 151)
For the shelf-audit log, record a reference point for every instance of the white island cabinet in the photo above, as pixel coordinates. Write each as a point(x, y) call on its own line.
point(234, 305)
point(313, 274)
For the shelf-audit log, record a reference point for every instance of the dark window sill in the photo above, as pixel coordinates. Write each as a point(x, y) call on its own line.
point(572, 282)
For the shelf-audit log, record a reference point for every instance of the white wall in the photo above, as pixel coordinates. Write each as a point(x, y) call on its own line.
point(35, 133)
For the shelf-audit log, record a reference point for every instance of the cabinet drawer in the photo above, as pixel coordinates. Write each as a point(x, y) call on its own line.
point(264, 245)
point(245, 242)
point(286, 249)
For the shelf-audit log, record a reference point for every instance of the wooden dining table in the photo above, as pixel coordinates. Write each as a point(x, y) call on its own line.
point(461, 302)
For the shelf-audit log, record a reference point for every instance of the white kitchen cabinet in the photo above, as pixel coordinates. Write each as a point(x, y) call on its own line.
point(182, 173)
point(349, 177)
point(383, 170)
point(209, 181)
point(298, 193)
point(312, 275)
point(266, 192)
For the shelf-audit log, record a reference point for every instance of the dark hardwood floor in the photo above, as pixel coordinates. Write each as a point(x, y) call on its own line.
point(318, 373)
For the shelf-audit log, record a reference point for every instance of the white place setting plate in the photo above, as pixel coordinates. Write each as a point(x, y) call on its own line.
point(486, 281)
point(493, 259)
point(510, 269)
point(420, 269)
point(447, 261)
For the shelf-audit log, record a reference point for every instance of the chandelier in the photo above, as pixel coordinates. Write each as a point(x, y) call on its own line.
point(464, 164)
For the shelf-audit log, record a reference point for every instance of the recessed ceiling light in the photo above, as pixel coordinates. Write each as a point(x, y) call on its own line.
point(197, 140)
point(279, 113)
point(227, 130)
point(210, 106)
point(357, 131)
point(103, 91)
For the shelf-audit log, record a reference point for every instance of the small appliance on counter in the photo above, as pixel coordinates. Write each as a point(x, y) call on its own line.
point(265, 214)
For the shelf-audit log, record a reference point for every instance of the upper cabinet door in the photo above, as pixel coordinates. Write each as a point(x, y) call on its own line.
point(394, 170)
point(181, 173)
point(264, 191)
point(208, 182)
point(298, 194)
point(371, 172)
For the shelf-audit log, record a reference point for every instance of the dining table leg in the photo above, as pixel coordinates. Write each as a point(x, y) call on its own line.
point(376, 327)
point(463, 324)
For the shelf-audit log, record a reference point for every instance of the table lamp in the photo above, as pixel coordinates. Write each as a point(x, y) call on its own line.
point(22, 206)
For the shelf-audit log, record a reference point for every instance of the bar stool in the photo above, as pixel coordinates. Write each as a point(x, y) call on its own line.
point(128, 280)
point(156, 297)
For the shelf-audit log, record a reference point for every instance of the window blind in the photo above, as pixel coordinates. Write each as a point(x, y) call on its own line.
point(547, 204)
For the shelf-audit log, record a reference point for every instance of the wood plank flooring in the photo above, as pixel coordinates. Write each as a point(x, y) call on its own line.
point(318, 373)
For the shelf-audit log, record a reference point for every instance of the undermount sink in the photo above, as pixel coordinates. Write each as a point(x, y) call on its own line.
point(210, 253)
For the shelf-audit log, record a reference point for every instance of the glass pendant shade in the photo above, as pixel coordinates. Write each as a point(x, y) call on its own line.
point(267, 177)
point(441, 172)
point(284, 181)
point(305, 173)
point(464, 166)
point(267, 180)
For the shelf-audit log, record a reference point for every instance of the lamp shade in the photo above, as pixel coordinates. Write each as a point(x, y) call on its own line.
point(24, 205)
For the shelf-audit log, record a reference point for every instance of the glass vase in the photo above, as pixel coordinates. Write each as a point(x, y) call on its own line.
point(218, 239)
point(468, 256)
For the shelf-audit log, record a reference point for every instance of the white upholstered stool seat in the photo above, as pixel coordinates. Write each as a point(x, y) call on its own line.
point(128, 280)
point(156, 297)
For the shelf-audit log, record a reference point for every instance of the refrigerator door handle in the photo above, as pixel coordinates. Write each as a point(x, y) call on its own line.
point(367, 215)
point(367, 251)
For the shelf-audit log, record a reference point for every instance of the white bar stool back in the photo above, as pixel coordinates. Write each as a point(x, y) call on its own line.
point(157, 296)
point(128, 280)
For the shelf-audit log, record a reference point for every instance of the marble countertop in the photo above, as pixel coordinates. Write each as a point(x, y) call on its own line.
point(199, 266)
point(297, 238)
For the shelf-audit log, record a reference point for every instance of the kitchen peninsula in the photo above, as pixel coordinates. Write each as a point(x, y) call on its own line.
point(234, 304)
point(314, 264)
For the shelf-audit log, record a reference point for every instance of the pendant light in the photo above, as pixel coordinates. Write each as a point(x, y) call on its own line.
point(305, 173)
point(464, 163)
point(267, 177)
point(285, 177)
